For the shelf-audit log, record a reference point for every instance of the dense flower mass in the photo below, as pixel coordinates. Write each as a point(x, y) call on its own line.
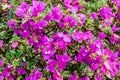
point(94, 15)
point(73, 5)
point(55, 14)
point(36, 75)
point(66, 40)
point(106, 13)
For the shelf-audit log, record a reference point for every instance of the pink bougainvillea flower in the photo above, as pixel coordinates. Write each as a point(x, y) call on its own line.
point(60, 45)
point(83, 52)
point(1, 77)
point(107, 52)
point(55, 14)
point(87, 36)
point(1, 62)
point(105, 67)
point(96, 45)
point(79, 58)
point(69, 21)
point(58, 64)
point(52, 64)
point(82, 36)
point(22, 10)
point(94, 66)
point(37, 7)
point(118, 6)
point(84, 78)
point(53, 49)
point(118, 16)
point(58, 36)
point(67, 38)
point(119, 41)
point(107, 22)
point(41, 24)
point(17, 31)
point(5, 1)
point(81, 19)
point(62, 40)
point(21, 70)
point(115, 28)
point(33, 41)
point(6, 72)
point(57, 75)
point(46, 40)
point(15, 44)
point(48, 52)
point(25, 33)
point(1, 43)
point(114, 38)
point(49, 17)
point(73, 77)
point(106, 13)
point(62, 60)
point(50, 78)
point(110, 67)
point(98, 77)
point(12, 23)
point(24, 63)
point(77, 36)
point(36, 75)
point(94, 15)
point(73, 5)
point(117, 2)
point(11, 6)
point(102, 35)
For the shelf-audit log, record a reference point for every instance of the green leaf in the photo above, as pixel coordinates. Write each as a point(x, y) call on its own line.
point(82, 66)
point(65, 74)
point(46, 73)
point(19, 77)
point(43, 78)
point(21, 47)
point(10, 55)
point(16, 62)
point(11, 13)
point(19, 53)
point(72, 30)
point(13, 1)
point(1, 68)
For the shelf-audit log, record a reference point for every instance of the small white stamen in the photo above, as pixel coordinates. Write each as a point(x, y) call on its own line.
point(86, 51)
point(25, 31)
point(37, 41)
point(98, 46)
point(48, 39)
point(47, 52)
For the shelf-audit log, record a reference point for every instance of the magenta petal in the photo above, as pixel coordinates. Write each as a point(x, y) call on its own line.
point(22, 9)
point(12, 23)
point(94, 15)
point(66, 38)
point(1, 43)
point(41, 24)
point(1, 62)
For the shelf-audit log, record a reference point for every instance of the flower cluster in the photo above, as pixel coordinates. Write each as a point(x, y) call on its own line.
point(73, 5)
point(55, 48)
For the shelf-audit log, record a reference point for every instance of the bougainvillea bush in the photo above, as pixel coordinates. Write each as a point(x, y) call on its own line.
point(59, 39)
